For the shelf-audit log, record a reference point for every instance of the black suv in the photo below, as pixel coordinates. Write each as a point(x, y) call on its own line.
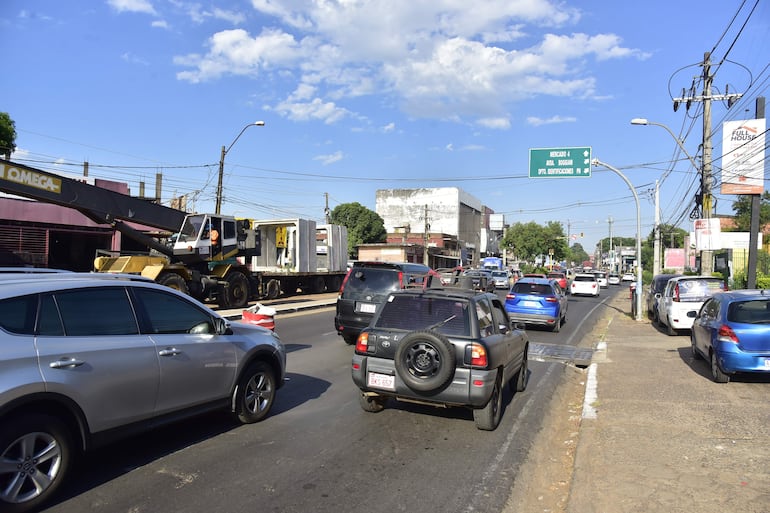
point(366, 286)
point(441, 346)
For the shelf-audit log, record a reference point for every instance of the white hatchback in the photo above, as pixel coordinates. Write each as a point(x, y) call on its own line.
point(584, 284)
point(685, 294)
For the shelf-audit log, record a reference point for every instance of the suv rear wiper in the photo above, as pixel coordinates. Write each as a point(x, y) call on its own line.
point(441, 323)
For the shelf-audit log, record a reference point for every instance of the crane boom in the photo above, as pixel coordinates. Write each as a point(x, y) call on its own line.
point(98, 204)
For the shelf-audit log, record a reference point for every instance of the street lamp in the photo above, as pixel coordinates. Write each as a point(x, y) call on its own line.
point(222, 163)
point(637, 299)
point(656, 243)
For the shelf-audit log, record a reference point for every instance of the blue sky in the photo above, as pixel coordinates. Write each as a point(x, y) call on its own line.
point(360, 95)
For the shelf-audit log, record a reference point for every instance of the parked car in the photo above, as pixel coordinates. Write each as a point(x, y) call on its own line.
point(654, 292)
point(732, 332)
point(88, 359)
point(685, 294)
point(613, 279)
point(601, 278)
point(442, 347)
point(584, 284)
point(560, 278)
point(365, 287)
point(538, 301)
point(502, 279)
point(481, 279)
point(628, 277)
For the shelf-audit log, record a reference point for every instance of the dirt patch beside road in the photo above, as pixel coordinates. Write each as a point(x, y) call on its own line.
point(544, 480)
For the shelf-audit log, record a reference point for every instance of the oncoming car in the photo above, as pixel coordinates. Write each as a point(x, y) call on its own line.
point(89, 358)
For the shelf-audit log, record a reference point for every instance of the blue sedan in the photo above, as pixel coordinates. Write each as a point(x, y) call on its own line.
point(732, 332)
point(537, 301)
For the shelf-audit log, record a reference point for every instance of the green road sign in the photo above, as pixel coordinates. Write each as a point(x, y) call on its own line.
point(559, 162)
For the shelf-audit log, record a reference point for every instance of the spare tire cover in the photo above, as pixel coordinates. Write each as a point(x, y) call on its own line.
point(425, 361)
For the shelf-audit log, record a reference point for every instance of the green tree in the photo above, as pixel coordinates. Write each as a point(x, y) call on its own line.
point(364, 225)
point(530, 240)
point(742, 209)
point(7, 135)
point(577, 254)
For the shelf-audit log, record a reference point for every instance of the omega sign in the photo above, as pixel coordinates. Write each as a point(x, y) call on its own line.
point(30, 178)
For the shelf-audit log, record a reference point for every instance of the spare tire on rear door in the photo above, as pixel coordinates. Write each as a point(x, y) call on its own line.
point(425, 361)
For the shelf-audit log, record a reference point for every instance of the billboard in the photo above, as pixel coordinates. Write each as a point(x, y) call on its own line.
point(743, 156)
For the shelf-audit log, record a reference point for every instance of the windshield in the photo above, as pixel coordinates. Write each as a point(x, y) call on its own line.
point(406, 312)
point(190, 228)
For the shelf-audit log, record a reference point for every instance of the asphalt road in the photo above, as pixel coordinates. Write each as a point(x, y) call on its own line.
point(318, 451)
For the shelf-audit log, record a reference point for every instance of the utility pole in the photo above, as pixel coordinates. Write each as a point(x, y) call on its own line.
point(706, 200)
point(610, 255)
point(751, 271)
point(426, 237)
point(327, 212)
point(656, 240)
point(707, 257)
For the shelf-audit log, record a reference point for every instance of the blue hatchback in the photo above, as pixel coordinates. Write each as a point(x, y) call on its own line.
point(537, 301)
point(732, 332)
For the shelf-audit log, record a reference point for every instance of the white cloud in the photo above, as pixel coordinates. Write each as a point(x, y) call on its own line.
point(159, 24)
point(443, 59)
point(389, 127)
point(329, 159)
point(535, 121)
point(140, 6)
point(496, 123)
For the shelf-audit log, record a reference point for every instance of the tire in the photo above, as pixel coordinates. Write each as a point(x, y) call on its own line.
point(557, 325)
point(655, 317)
point(716, 371)
point(371, 404)
point(349, 339)
point(31, 447)
point(255, 393)
point(425, 361)
point(671, 332)
point(488, 417)
point(273, 289)
point(693, 348)
point(519, 383)
point(237, 293)
point(173, 281)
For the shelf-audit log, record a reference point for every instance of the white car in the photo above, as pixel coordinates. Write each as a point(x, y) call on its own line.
point(685, 294)
point(584, 284)
point(601, 278)
point(613, 279)
point(628, 277)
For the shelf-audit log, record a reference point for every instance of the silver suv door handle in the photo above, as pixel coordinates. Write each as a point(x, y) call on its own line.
point(170, 351)
point(70, 362)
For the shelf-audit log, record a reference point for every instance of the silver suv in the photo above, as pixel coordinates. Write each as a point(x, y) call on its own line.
point(82, 355)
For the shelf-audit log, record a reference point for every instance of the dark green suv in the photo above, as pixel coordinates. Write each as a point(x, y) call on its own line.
point(445, 347)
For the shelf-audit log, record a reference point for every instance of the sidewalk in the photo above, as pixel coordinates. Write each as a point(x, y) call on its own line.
point(660, 435)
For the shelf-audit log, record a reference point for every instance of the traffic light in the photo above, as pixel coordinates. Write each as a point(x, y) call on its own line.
point(581, 234)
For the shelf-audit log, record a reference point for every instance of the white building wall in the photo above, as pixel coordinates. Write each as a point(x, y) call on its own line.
point(401, 207)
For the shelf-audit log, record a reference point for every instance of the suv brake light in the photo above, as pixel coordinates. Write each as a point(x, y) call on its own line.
point(345, 280)
point(676, 293)
point(478, 355)
point(362, 342)
point(401, 280)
